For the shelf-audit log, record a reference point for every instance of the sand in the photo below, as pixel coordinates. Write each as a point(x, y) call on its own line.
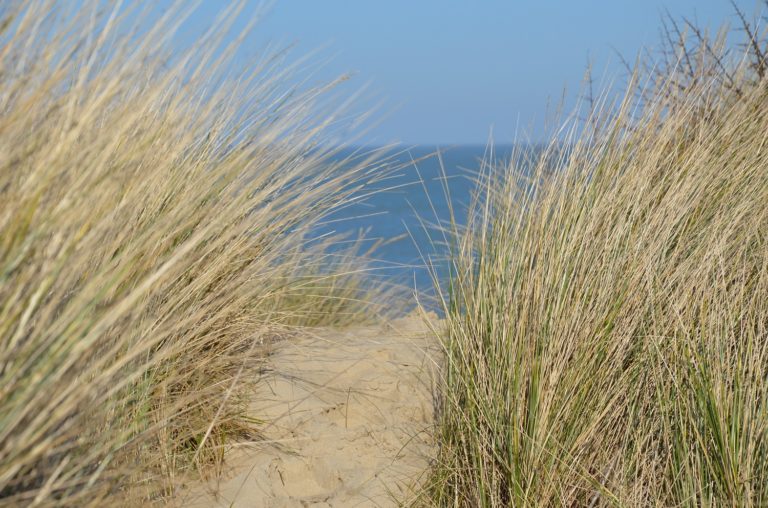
point(348, 419)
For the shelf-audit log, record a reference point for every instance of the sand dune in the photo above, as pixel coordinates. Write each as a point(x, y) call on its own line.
point(348, 418)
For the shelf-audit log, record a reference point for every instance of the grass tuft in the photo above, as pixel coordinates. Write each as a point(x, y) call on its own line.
point(607, 315)
point(155, 213)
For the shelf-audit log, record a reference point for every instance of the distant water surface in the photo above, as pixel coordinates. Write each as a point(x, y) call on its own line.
point(407, 205)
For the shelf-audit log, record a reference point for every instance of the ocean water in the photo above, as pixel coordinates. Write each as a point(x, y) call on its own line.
point(406, 208)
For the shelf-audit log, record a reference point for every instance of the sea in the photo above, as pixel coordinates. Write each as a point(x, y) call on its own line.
point(422, 189)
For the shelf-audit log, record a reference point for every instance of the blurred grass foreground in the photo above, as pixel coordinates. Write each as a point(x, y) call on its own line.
point(154, 206)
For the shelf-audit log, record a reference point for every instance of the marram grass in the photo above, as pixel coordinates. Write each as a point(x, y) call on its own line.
point(605, 332)
point(606, 328)
point(154, 210)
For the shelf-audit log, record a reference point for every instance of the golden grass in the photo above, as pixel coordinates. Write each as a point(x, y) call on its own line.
point(154, 207)
point(607, 326)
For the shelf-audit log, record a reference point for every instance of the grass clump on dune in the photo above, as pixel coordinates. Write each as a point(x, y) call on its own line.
point(154, 210)
point(607, 326)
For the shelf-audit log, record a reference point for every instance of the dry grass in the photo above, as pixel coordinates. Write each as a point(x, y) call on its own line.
point(607, 326)
point(608, 313)
point(154, 207)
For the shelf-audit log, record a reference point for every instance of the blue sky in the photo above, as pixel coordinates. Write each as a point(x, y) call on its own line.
point(450, 71)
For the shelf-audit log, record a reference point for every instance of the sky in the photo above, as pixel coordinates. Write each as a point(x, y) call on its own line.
point(458, 72)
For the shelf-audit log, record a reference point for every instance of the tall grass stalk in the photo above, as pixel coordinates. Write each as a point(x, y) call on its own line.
point(606, 327)
point(154, 211)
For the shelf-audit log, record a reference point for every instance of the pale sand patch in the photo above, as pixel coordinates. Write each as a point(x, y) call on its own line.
point(349, 417)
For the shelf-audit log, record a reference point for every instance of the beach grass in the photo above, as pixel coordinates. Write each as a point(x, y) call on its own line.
point(605, 324)
point(156, 206)
point(606, 331)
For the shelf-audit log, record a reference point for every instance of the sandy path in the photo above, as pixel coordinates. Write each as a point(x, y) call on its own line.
point(349, 417)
